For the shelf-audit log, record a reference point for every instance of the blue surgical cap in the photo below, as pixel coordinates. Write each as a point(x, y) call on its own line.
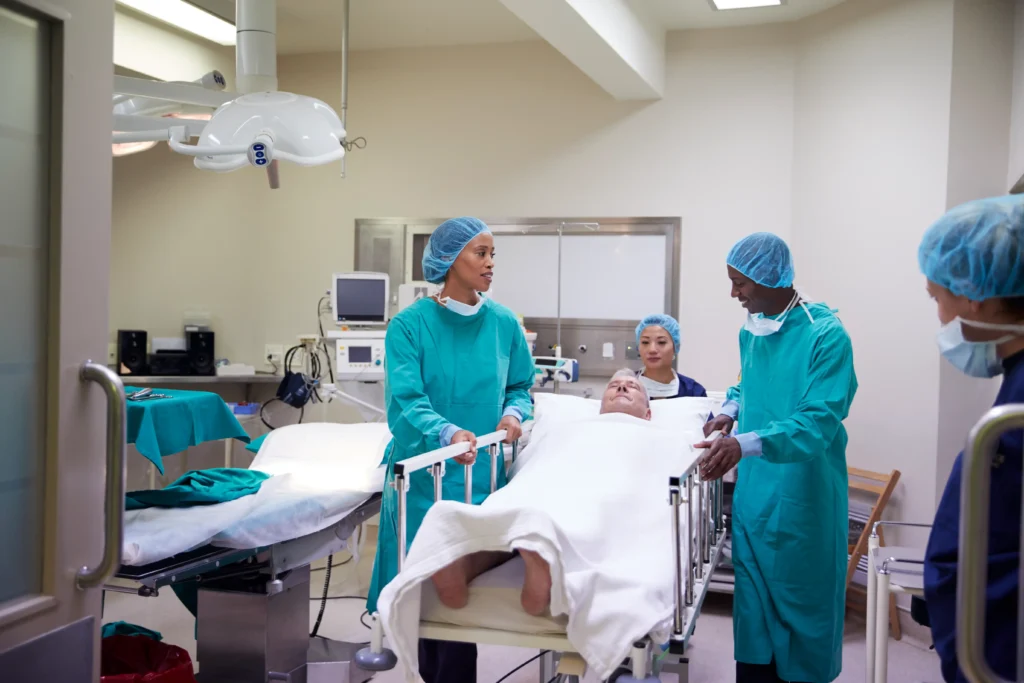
point(445, 245)
point(764, 258)
point(660, 320)
point(975, 250)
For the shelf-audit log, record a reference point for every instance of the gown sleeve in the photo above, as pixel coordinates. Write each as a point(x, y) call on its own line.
point(413, 417)
point(825, 403)
point(520, 377)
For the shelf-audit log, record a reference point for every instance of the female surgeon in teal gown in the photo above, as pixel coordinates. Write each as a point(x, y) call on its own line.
point(790, 504)
point(457, 365)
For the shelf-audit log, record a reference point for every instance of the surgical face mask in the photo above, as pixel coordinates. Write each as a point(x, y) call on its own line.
point(760, 326)
point(974, 359)
point(660, 389)
point(459, 307)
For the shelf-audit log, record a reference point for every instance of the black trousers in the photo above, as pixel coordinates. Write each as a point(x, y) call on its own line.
point(757, 673)
point(447, 662)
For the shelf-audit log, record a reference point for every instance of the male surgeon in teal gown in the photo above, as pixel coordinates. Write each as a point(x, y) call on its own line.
point(789, 529)
point(457, 366)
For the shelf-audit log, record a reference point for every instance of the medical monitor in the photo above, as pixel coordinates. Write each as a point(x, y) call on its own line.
point(360, 298)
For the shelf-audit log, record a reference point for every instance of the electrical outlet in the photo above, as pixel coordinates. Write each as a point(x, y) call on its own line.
point(112, 353)
point(273, 352)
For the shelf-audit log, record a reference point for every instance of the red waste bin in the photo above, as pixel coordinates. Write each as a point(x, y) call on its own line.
point(138, 659)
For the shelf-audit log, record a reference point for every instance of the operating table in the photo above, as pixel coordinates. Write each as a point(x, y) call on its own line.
point(253, 609)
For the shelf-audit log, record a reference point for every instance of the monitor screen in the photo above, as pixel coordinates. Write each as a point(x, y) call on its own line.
point(360, 300)
point(359, 354)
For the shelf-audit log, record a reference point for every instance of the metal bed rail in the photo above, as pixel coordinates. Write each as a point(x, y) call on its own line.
point(972, 559)
point(695, 544)
point(876, 632)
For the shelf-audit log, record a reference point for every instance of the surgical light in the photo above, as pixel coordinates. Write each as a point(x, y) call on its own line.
point(260, 127)
point(187, 17)
point(256, 126)
point(744, 4)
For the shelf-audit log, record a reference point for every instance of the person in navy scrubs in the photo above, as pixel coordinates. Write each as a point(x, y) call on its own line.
point(973, 258)
point(657, 339)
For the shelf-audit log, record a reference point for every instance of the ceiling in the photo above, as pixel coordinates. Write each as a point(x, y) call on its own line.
point(315, 25)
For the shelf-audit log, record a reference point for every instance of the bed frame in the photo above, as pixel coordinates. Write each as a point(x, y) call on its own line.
point(698, 538)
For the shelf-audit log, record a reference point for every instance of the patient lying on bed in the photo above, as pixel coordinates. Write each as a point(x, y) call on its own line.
point(623, 394)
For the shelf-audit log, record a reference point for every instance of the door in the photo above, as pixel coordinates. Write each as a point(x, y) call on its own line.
point(55, 177)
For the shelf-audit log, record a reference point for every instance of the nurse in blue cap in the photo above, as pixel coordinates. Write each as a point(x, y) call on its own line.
point(657, 339)
point(973, 259)
point(457, 366)
point(790, 503)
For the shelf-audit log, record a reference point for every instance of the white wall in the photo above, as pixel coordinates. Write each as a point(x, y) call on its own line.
point(500, 130)
point(872, 133)
point(979, 139)
point(1016, 162)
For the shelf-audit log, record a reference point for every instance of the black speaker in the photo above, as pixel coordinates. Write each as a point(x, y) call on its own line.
point(169, 364)
point(131, 352)
point(199, 346)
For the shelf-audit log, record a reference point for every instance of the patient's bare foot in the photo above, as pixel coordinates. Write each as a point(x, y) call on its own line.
point(536, 596)
point(452, 583)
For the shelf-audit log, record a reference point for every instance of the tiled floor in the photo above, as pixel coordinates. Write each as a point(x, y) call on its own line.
point(710, 658)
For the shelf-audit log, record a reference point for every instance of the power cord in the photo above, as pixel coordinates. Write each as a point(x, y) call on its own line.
point(531, 659)
point(323, 344)
point(333, 566)
point(323, 602)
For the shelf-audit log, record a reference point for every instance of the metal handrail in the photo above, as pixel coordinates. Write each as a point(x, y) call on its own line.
point(116, 475)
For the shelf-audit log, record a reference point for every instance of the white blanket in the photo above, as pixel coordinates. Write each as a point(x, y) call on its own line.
point(320, 473)
point(592, 500)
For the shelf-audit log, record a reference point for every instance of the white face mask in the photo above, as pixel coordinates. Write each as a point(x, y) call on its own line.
point(659, 389)
point(760, 326)
point(974, 359)
point(459, 307)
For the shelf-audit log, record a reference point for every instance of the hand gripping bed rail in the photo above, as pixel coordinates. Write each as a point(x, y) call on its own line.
point(376, 657)
point(703, 501)
point(972, 560)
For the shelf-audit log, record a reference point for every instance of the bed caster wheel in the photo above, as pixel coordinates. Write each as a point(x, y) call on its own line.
point(368, 660)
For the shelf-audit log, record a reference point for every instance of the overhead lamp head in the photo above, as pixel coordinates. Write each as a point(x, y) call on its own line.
point(258, 128)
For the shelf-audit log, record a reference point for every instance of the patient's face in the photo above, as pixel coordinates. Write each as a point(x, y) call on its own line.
point(626, 395)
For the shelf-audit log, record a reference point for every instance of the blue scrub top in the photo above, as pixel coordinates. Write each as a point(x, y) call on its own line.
point(690, 388)
point(1003, 550)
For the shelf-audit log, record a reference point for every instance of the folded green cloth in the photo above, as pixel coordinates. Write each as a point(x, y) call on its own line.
point(254, 445)
point(123, 628)
point(164, 426)
point(200, 487)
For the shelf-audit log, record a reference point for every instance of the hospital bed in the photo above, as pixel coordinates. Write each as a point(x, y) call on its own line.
point(254, 602)
point(494, 615)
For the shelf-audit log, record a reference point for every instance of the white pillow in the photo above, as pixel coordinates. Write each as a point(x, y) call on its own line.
point(344, 456)
point(675, 414)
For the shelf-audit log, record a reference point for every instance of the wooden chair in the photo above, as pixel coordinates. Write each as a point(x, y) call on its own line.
point(881, 486)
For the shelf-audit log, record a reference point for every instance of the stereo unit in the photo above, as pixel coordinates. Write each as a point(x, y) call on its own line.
point(199, 346)
point(131, 352)
point(169, 364)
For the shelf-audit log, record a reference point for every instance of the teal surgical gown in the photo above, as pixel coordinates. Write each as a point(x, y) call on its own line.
point(445, 368)
point(790, 520)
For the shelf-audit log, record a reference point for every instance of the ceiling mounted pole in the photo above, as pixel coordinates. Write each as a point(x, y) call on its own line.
point(344, 76)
